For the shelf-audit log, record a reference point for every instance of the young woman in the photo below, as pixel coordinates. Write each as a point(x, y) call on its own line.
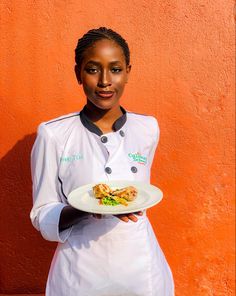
point(97, 255)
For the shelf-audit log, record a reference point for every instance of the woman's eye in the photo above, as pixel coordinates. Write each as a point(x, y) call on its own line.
point(91, 70)
point(116, 70)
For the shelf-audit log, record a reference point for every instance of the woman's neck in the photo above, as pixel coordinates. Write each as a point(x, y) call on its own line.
point(104, 119)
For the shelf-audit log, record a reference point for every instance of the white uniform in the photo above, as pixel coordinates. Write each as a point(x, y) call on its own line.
point(97, 257)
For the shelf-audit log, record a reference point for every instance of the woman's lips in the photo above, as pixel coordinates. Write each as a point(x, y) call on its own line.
point(105, 94)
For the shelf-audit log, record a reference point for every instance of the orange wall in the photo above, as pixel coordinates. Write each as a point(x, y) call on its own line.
point(183, 73)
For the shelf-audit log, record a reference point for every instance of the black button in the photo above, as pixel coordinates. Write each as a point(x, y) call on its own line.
point(104, 139)
point(122, 133)
point(134, 169)
point(108, 170)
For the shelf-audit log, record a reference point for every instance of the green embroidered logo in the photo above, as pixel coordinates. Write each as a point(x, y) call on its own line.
point(141, 159)
point(71, 158)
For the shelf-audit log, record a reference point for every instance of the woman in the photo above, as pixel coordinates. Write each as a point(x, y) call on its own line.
point(97, 255)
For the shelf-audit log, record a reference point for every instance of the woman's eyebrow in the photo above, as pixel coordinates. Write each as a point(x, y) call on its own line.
point(115, 62)
point(93, 62)
point(98, 64)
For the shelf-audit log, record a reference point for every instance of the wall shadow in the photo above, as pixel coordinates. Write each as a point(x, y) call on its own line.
point(25, 255)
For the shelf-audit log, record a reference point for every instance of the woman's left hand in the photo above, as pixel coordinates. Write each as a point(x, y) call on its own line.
point(130, 216)
point(124, 217)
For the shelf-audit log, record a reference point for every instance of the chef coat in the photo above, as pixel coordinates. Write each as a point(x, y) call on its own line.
point(97, 257)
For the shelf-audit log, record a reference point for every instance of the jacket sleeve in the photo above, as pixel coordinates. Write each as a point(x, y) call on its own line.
point(47, 204)
point(156, 135)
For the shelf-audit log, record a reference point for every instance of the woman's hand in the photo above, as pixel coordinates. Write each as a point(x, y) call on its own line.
point(130, 216)
point(98, 216)
point(124, 217)
point(70, 216)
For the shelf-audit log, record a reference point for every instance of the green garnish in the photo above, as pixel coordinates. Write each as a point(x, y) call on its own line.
point(109, 201)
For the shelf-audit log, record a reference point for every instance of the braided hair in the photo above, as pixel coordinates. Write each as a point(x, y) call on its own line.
point(95, 35)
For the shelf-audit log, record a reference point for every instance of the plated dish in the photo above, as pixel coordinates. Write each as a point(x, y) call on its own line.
point(83, 198)
point(113, 197)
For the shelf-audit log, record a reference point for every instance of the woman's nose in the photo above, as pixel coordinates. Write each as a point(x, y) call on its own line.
point(104, 79)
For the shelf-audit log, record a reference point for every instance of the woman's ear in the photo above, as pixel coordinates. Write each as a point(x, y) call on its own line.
point(77, 73)
point(128, 69)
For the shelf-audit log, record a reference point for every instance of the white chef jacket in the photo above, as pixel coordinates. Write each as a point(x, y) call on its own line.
point(97, 257)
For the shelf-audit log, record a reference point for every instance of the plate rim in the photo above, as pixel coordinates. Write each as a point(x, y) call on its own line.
point(124, 211)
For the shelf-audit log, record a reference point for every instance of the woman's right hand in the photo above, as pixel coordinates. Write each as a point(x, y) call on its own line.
point(98, 216)
point(70, 216)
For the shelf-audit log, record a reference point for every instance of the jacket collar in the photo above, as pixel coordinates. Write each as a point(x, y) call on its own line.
point(87, 123)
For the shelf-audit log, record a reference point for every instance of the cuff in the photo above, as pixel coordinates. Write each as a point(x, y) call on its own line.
point(49, 223)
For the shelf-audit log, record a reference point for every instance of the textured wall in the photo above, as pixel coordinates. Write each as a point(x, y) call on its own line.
point(183, 73)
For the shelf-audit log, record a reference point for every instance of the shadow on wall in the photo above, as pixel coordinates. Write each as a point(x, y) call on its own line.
point(25, 255)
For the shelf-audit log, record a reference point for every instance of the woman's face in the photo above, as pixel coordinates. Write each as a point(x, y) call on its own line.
point(104, 73)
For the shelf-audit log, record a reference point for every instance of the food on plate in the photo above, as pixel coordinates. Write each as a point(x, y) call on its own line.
point(101, 190)
point(115, 197)
point(129, 193)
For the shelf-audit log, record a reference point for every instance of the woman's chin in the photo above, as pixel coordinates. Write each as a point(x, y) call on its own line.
point(104, 104)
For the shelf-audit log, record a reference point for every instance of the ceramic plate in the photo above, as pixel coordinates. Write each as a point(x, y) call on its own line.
point(83, 198)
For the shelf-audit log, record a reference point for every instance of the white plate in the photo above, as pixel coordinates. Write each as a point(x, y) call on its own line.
point(83, 199)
